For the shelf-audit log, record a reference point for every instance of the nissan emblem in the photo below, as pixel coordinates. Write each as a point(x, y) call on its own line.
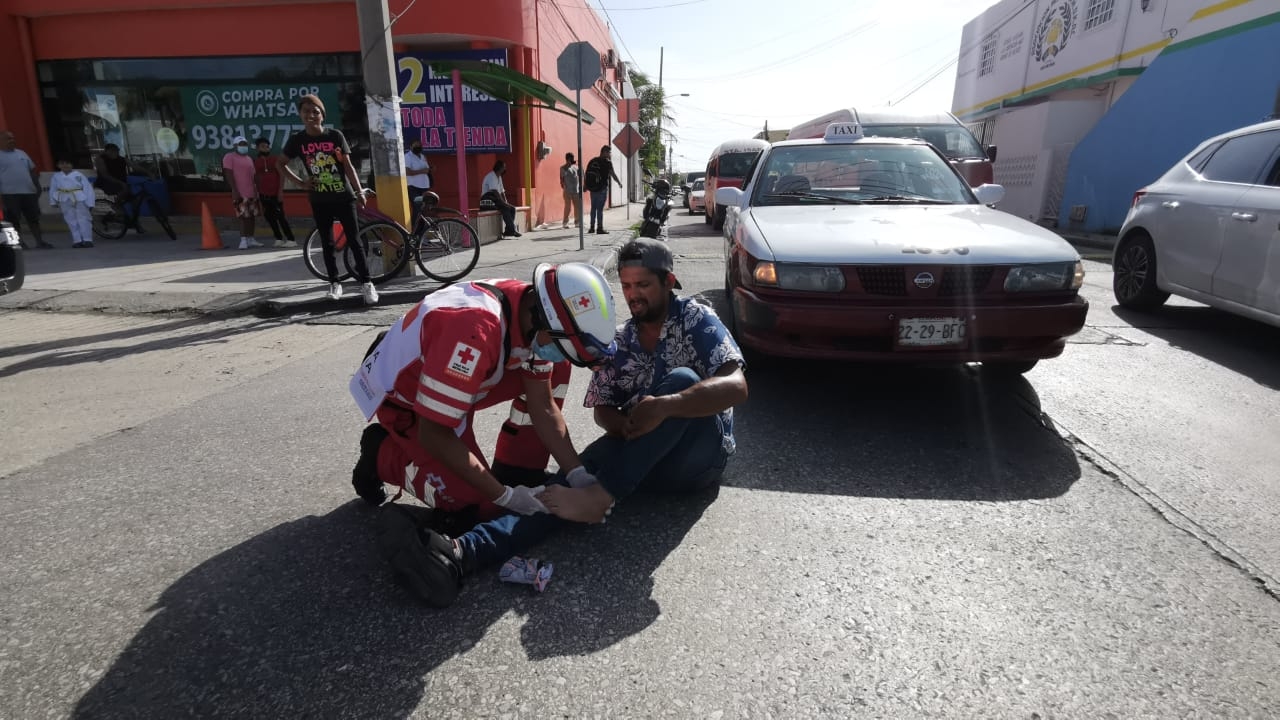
point(924, 280)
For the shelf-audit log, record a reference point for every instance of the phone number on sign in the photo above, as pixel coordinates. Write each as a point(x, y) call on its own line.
point(222, 137)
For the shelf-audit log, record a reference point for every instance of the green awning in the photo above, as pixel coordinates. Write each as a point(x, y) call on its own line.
point(509, 85)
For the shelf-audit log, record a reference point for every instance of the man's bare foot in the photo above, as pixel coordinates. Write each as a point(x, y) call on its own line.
point(585, 504)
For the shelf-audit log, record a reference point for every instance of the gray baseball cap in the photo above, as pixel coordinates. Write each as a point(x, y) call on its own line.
point(649, 254)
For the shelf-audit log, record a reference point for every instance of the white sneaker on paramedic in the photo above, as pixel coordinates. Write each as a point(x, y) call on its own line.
point(335, 291)
point(369, 292)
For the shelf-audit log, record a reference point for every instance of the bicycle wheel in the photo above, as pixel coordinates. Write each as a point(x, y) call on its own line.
point(384, 251)
point(449, 249)
point(161, 218)
point(313, 258)
point(109, 224)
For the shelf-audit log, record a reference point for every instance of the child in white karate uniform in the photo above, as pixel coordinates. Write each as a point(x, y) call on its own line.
point(72, 191)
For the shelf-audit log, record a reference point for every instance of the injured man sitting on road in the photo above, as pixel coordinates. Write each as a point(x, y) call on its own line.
point(665, 400)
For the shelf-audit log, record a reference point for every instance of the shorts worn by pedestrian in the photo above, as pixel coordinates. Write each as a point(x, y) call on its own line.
point(665, 400)
point(464, 348)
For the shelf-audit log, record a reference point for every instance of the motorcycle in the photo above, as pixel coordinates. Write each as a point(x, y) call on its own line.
point(656, 209)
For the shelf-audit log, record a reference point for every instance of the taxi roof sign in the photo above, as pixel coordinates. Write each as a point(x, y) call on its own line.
point(843, 132)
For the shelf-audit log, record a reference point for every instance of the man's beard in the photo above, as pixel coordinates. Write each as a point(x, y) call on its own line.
point(649, 313)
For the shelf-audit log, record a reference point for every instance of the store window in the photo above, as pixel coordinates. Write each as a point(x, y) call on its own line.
point(176, 117)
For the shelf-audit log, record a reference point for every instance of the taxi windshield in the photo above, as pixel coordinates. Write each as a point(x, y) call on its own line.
point(858, 173)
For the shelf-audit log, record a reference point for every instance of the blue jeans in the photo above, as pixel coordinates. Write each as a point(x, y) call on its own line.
point(679, 456)
point(598, 200)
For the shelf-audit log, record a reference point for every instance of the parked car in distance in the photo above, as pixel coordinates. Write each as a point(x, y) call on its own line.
point(728, 167)
point(875, 248)
point(1208, 229)
point(940, 129)
point(696, 198)
point(13, 271)
point(687, 185)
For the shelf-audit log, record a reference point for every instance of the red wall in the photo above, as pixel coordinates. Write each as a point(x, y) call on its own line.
point(533, 32)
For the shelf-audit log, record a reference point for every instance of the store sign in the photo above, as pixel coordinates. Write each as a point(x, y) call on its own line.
point(426, 105)
point(216, 114)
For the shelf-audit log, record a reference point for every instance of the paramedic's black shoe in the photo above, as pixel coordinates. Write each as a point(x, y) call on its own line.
point(364, 478)
point(423, 559)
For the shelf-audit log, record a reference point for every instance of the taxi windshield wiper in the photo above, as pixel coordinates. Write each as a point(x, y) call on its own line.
point(912, 199)
point(815, 196)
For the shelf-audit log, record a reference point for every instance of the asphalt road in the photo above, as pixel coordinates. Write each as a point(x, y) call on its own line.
point(887, 543)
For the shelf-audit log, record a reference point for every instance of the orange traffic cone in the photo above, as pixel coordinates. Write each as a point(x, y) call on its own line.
point(210, 238)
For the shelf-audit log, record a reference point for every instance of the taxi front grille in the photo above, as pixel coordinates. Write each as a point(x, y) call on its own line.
point(883, 279)
point(965, 281)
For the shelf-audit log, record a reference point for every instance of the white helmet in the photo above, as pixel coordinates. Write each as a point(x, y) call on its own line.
point(576, 308)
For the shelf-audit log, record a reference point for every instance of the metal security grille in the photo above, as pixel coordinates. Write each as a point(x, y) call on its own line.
point(965, 281)
point(1099, 12)
point(883, 279)
point(987, 62)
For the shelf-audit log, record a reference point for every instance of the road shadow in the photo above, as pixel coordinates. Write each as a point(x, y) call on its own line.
point(305, 620)
point(1245, 346)
point(691, 230)
point(894, 431)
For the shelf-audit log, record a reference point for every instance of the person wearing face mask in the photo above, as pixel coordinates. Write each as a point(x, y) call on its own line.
point(417, 172)
point(467, 347)
point(238, 170)
point(268, 181)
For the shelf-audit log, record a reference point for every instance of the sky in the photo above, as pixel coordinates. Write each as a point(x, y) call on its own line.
point(745, 62)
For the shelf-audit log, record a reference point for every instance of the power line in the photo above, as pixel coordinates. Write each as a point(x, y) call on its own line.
point(782, 62)
point(618, 32)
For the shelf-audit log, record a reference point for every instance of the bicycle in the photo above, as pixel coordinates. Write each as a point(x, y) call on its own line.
point(445, 248)
point(116, 219)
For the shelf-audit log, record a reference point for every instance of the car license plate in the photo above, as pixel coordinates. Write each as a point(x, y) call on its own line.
point(928, 332)
point(11, 235)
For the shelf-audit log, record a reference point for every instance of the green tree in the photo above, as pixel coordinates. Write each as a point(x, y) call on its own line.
point(653, 104)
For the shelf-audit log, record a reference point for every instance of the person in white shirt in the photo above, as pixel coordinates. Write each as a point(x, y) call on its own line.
point(493, 189)
point(417, 172)
point(71, 191)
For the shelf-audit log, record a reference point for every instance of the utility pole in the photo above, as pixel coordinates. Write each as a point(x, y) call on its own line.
point(382, 105)
point(662, 105)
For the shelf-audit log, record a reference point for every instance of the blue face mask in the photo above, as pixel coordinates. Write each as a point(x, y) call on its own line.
point(550, 352)
point(242, 149)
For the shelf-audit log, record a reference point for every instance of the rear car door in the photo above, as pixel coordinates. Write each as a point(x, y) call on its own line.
point(1249, 272)
point(1196, 212)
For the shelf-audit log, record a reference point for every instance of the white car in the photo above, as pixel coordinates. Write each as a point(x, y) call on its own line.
point(1208, 229)
point(697, 197)
point(873, 248)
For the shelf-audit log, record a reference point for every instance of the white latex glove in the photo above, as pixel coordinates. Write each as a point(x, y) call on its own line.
point(579, 477)
point(523, 500)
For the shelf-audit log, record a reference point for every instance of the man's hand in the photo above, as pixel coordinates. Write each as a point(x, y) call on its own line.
point(645, 416)
point(522, 500)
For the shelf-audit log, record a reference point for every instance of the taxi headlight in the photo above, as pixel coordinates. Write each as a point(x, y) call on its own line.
point(1045, 277)
point(810, 278)
point(765, 274)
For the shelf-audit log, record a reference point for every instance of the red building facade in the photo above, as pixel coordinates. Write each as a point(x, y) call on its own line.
point(166, 79)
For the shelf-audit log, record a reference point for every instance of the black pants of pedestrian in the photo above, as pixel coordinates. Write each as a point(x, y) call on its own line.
point(326, 213)
point(273, 212)
point(508, 212)
point(26, 205)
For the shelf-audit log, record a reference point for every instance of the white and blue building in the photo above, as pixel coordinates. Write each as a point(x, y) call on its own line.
point(1090, 100)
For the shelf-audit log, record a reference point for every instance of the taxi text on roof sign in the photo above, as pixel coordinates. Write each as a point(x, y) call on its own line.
point(843, 131)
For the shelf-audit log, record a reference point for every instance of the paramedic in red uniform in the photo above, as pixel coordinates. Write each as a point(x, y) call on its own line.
point(471, 346)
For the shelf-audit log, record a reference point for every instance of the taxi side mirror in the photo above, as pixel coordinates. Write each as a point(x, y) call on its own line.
point(989, 194)
point(729, 197)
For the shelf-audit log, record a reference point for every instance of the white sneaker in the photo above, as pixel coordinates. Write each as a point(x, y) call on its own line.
point(244, 243)
point(278, 244)
point(335, 291)
point(369, 292)
point(254, 243)
point(288, 244)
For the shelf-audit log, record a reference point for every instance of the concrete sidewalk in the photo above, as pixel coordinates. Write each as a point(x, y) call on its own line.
point(151, 274)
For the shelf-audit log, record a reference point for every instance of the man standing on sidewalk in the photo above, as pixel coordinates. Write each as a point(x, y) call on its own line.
point(599, 170)
point(417, 173)
point(269, 181)
point(20, 186)
point(238, 170)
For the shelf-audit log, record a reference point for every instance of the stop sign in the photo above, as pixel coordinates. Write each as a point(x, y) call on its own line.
point(628, 140)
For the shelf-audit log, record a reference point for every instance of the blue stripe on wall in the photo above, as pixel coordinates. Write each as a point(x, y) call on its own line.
point(1183, 98)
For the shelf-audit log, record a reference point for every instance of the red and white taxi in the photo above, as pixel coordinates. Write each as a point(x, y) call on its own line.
point(876, 248)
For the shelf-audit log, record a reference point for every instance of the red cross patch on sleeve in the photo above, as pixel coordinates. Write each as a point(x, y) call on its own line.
point(582, 302)
point(463, 361)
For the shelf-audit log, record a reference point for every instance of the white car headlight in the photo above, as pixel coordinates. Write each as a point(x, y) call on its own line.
point(1045, 277)
point(805, 278)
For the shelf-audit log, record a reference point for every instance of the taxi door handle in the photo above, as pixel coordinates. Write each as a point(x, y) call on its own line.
point(1244, 217)
point(1171, 204)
